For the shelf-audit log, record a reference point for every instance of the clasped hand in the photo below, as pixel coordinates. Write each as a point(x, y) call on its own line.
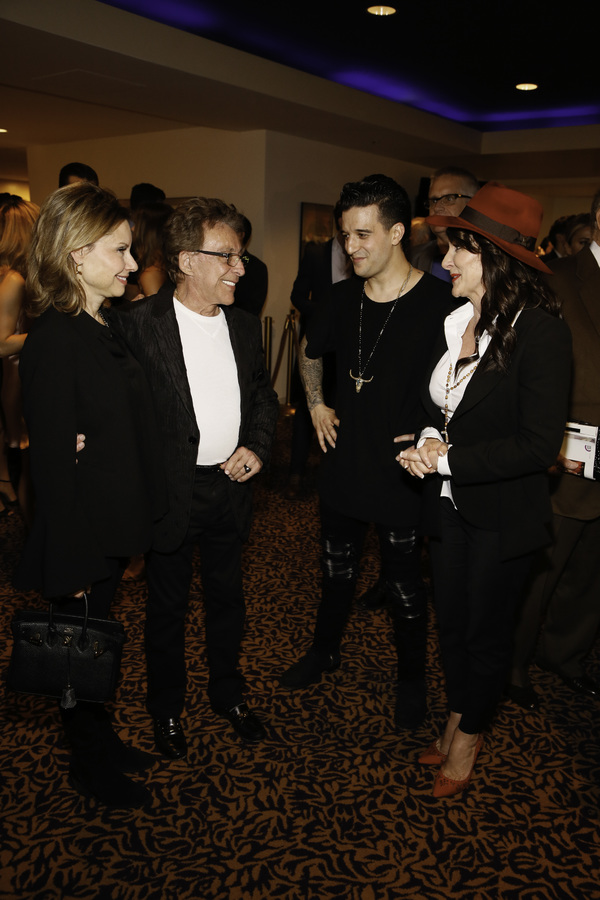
point(421, 461)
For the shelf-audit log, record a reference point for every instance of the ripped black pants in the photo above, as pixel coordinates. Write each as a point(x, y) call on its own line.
point(342, 539)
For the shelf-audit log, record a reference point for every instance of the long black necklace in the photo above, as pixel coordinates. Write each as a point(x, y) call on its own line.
point(360, 379)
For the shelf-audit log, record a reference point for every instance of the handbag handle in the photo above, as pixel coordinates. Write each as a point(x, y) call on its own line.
point(53, 634)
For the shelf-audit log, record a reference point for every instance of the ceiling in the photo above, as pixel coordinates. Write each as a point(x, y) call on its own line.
point(458, 59)
point(426, 93)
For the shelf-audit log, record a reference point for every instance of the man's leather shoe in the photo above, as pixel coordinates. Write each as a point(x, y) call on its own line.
point(583, 684)
point(170, 739)
point(525, 697)
point(309, 669)
point(244, 722)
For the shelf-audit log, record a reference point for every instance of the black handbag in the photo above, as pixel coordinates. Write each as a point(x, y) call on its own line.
point(65, 656)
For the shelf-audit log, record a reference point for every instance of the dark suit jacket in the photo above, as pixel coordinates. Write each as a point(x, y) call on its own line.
point(151, 330)
point(100, 502)
point(506, 433)
point(313, 281)
point(251, 290)
point(576, 281)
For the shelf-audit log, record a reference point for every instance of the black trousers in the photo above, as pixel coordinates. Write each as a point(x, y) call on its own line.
point(476, 598)
point(212, 528)
point(342, 539)
point(563, 592)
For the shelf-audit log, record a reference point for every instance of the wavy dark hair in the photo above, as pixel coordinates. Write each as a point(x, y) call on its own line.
point(510, 285)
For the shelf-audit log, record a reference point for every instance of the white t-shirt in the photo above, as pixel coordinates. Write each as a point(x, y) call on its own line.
point(213, 379)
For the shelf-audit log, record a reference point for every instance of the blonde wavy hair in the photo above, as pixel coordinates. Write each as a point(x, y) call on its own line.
point(17, 218)
point(71, 218)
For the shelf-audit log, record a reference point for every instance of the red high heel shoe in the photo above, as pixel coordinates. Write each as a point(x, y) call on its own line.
point(446, 787)
point(433, 756)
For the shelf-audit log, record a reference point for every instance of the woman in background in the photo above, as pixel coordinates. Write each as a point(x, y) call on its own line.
point(147, 249)
point(496, 403)
point(95, 508)
point(17, 218)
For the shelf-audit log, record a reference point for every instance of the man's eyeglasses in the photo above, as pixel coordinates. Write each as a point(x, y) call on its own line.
point(445, 200)
point(232, 258)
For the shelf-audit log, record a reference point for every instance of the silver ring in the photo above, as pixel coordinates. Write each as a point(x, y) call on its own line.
point(247, 469)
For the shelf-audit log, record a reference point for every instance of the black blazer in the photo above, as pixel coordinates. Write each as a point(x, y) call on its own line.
point(313, 281)
point(506, 432)
point(150, 328)
point(100, 502)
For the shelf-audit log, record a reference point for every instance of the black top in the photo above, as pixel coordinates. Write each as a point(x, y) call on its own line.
point(361, 477)
point(78, 377)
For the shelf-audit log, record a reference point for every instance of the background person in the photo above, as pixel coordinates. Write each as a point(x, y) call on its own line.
point(496, 398)
point(93, 511)
point(17, 218)
point(563, 593)
point(75, 172)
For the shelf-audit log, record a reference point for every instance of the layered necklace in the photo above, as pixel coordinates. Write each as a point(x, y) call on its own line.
point(452, 387)
point(360, 379)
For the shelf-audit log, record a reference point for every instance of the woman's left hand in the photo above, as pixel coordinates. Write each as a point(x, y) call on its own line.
point(424, 460)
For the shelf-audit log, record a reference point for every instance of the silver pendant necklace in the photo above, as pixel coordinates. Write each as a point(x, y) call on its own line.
point(360, 379)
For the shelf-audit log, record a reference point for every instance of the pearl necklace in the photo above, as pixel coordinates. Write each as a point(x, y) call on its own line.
point(361, 370)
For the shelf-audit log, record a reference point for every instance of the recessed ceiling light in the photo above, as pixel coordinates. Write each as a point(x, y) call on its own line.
point(381, 10)
point(526, 86)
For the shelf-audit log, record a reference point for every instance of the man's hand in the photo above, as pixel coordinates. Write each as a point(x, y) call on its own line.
point(242, 465)
point(325, 421)
point(423, 461)
point(79, 444)
point(569, 466)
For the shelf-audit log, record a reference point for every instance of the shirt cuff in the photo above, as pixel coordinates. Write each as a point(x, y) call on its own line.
point(444, 464)
point(429, 432)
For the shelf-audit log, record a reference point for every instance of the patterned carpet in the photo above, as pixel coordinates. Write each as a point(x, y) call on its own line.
point(334, 805)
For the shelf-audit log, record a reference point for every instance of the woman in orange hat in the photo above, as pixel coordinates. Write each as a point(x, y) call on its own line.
point(496, 402)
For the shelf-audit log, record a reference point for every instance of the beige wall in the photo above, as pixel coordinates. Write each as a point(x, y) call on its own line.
point(267, 175)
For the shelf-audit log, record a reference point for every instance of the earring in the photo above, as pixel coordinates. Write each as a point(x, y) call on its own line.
point(78, 269)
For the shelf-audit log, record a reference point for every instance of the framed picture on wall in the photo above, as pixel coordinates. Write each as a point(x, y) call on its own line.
point(316, 224)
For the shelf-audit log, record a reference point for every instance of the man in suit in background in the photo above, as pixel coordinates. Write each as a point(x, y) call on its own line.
point(322, 265)
point(450, 189)
point(251, 293)
point(217, 413)
point(565, 589)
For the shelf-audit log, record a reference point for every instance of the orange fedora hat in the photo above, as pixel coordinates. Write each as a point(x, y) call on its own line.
point(509, 219)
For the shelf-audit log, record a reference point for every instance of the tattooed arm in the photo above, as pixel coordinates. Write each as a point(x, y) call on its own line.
point(323, 417)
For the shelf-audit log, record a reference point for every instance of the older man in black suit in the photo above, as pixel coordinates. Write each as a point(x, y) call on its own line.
point(217, 412)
